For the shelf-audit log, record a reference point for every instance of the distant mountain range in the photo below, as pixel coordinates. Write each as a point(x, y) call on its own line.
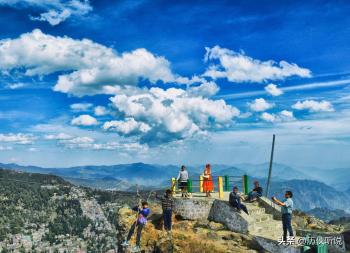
point(338, 178)
point(309, 192)
point(328, 215)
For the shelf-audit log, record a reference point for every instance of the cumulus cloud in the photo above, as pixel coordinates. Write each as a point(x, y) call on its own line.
point(101, 110)
point(18, 138)
point(314, 106)
point(55, 11)
point(79, 107)
point(273, 90)
point(282, 116)
point(260, 105)
point(84, 120)
point(93, 68)
point(127, 127)
point(238, 67)
point(205, 89)
point(173, 114)
point(269, 117)
point(287, 115)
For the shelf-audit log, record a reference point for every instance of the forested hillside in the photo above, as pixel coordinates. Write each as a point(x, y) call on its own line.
point(43, 212)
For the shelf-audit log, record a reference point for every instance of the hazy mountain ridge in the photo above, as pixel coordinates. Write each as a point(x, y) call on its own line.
point(339, 178)
point(329, 215)
point(309, 194)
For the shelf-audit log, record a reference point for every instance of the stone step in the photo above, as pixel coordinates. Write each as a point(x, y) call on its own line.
point(265, 226)
point(258, 218)
point(254, 211)
point(251, 205)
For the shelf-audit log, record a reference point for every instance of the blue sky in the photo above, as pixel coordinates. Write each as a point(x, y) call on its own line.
point(105, 82)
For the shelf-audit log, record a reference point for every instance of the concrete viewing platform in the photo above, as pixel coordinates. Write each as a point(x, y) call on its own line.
point(201, 195)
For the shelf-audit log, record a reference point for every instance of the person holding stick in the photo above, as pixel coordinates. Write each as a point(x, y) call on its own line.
point(140, 223)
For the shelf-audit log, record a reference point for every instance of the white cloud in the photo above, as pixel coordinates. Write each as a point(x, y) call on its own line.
point(84, 120)
point(314, 106)
point(18, 138)
point(273, 90)
point(78, 140)
point(14, 86)
point(93, 67)
point(101, 111)
point(125, 147)
point(238, 67)
point(205, 89)
point(283, 116)
point(86, 142)
point(59, 136)
point(287, 115)
point(260, 105)
point(173, 114)
point(126, 127)
point(268, 117)
point(54, 11)
point(300, 87)
point(79, 107)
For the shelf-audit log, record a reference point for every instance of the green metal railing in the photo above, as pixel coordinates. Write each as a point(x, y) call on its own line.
point(195, 185)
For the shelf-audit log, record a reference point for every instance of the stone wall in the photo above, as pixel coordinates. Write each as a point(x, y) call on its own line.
point(213, 210)
point(223, 213)
point(193, 209)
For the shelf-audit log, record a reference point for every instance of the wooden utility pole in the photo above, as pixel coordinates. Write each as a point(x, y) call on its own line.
point(270, 168)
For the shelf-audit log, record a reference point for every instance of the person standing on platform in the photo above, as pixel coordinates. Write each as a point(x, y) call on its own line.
point(182, 179)
point(208, 185)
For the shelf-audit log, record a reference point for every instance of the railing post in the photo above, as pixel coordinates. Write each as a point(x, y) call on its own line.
point(227, 183)
point(189, 186)
point(221, 189)
point(173, 185)
point(246, 184)
point(201, 183)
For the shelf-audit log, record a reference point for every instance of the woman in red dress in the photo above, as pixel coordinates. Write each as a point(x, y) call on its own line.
point(208, 185)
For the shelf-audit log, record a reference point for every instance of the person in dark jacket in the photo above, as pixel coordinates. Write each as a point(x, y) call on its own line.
point(140, 223)
point(256, 192)
point(167, 206)
point(235, 200)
